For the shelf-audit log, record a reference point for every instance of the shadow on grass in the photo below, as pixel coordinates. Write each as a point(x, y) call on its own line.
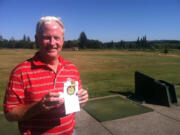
point(133, 97)
point(130, 96)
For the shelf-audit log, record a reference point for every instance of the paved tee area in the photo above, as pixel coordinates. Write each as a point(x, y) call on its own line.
point(162, 121)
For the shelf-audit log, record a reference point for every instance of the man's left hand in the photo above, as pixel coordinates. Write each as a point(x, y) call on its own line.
point(83, 96)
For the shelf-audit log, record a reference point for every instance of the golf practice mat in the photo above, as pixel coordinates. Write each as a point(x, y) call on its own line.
point(112, 108)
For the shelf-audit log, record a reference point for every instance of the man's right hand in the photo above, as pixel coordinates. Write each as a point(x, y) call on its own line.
point(27, 111)
point(51, 101)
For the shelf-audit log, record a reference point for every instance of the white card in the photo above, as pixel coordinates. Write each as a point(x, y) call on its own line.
point(71, 100)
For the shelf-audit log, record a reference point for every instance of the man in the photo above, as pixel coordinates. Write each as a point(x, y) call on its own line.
point(32, 95)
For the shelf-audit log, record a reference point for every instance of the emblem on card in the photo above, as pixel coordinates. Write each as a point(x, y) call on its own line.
point(71, 88)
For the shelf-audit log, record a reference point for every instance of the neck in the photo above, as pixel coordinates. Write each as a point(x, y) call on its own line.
point(53, 66)
point(51, 63)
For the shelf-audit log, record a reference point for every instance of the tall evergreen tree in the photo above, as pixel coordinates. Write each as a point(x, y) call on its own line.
point(83, 40)
point(24, 38)
point(144, 42)
point(28, 39)
point(137, 43)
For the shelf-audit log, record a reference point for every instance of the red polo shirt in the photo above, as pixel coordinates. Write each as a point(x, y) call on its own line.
point(28, 83)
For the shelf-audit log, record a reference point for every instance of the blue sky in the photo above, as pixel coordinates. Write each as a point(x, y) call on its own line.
point(104, 20)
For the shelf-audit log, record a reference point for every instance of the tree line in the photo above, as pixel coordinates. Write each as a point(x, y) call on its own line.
point(25, 42)
point(84, 43)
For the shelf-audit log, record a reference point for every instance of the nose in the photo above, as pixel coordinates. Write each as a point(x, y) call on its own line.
point(52, 41)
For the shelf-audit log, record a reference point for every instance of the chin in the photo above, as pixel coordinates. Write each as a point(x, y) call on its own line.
point(52, 55)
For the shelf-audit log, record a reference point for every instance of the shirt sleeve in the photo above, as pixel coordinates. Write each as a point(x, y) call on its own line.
point(14, 92)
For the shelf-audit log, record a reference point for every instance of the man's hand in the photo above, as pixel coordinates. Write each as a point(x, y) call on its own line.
point(83, 96)
point(27, 111)
point(51, 101)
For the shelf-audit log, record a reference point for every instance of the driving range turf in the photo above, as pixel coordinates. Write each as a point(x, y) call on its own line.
point(112, 108)
point(103, 71)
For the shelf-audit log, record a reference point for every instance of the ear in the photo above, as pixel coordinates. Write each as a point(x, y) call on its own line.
point(63, 39)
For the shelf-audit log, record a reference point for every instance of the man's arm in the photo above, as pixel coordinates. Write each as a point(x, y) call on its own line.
point(23, 112)
point(27, 111)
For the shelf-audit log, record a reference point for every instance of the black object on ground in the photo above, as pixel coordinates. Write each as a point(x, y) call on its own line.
point(154, 91)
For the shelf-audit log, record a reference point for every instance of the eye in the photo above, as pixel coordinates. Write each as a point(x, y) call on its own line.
point(46, 37)
point(57, 38)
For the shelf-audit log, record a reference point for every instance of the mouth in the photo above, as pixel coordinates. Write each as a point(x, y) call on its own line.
point(51, 48)
point(54, 47)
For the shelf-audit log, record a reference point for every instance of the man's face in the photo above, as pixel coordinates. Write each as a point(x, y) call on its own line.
point(50, 40)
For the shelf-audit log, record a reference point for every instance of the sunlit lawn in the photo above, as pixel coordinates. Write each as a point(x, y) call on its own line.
point(104, 71)
point(101, 71)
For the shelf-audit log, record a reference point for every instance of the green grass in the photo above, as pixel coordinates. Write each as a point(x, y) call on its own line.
point(114, 108)
point(7, 128)
point(103, 71)
point(102, 83)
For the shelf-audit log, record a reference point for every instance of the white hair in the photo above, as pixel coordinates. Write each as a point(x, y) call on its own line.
point(48, 19)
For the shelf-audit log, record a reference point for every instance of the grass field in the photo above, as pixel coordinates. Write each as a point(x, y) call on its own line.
point(103, 71)
point(7, 128)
